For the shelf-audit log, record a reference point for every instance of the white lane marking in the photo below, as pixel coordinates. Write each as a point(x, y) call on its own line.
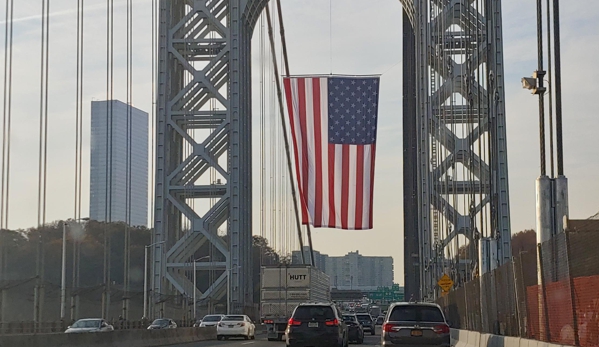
point(248, 343)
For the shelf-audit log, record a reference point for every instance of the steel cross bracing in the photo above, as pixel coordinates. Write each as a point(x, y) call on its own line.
point(460, 119)
point(203, 130)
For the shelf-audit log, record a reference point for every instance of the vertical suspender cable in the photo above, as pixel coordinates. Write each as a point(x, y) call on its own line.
point(78, 154)
point(129, 158)
point(7, 115)
point(109, 170)
point(286, 60)
point(558, 89)
point(285, 137)
point(42, 163)
point(550, 108)
point(540, 72)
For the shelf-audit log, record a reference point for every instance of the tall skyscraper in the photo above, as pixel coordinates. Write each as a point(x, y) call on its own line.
point(119, 163)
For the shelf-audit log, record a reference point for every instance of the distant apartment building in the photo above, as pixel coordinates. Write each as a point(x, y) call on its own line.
point(353, 270)
point(359, 272)
point(320, 260)
point(127, 171)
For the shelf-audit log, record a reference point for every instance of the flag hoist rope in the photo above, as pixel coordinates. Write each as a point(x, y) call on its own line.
point(285, 137)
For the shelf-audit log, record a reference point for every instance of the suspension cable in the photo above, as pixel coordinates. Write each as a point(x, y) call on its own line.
point(7, 115)
point(109, 131)
point(286, 61)
point(286, 139)
point(42, 160)
point(78, 153)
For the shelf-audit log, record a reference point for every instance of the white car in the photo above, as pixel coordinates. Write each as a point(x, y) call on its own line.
point(209, 320)
point(162, 323)
point(236, 326)
point(89, 325)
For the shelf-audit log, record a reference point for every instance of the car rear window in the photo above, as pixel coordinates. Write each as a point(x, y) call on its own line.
point(212, 319)
point(349, 318)
point(363, 317)
point(233, 318)
point(313, 312)
point(416, 314)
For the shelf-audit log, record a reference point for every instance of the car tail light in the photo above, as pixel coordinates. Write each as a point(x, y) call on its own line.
point(441, 329)
point(388, 327)
point(294, 322)
point(332, 323)
point(268, 321)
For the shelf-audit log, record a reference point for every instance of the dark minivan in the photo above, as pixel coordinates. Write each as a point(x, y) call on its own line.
point(315, 325)
point(415, 324)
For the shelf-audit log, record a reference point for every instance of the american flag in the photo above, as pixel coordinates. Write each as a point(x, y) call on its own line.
point(333, 123)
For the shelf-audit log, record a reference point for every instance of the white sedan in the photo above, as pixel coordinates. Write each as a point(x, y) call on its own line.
point(236, 326)
point(89, 325)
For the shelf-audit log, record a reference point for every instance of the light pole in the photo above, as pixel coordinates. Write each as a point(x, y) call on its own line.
point(63, 282)
point(195, 285)
point(229, 273)
point(146, 276)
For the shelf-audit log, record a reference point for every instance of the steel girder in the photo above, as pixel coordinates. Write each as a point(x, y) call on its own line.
point(448, 132)
point(203, 130)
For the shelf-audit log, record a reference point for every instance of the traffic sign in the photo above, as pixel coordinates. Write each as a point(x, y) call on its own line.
point(445, 283)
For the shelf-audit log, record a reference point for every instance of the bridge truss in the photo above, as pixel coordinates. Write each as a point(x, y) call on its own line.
point(455, 134)
point(455, 155)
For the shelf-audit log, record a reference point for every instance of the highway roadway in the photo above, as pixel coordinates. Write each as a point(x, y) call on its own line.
point(261, 341)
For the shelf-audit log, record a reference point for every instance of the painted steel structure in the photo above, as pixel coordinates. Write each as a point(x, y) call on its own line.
point(204, 129)
point(455, 137)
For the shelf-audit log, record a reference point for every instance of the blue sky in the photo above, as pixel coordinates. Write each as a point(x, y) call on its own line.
point(365, 40)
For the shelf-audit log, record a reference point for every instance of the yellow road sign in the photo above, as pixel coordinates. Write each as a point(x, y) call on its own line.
point(445, 283)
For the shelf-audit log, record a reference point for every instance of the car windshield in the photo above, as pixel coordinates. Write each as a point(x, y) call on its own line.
point(233, 318)
point(160, 322)
point(211, 319)
point(364, 317)
point(314, 312)
point(90, 323)
point(416, 314)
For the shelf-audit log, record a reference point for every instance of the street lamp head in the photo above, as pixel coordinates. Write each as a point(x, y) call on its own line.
point(529, 83)
point(155, 243)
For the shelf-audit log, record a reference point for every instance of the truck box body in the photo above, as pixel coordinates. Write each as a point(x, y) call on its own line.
point(282, 288)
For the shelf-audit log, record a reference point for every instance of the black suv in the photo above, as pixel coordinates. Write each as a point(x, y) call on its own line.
point(354, 328)
point(315, 325)
point(366, 321)
point(421, 324)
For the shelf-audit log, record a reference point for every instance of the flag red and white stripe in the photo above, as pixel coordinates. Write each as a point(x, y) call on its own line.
point(336, 181)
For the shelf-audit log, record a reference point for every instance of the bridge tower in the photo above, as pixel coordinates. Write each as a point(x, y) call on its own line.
point(203, 152)
point(455, 155)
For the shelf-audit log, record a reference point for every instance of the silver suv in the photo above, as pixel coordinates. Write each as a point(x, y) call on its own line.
point(415, 324)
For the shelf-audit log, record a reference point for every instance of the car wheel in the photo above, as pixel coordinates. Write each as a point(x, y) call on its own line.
point(218, 337)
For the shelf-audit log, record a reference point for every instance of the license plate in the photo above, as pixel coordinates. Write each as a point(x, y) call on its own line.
point(312, 325)
point(416, 332)
point(230, 326)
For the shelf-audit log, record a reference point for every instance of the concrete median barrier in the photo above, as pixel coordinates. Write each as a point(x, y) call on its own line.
point(465, 338)
point(120, 338)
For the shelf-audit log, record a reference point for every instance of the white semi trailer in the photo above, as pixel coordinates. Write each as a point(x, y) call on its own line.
point(284, 287)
